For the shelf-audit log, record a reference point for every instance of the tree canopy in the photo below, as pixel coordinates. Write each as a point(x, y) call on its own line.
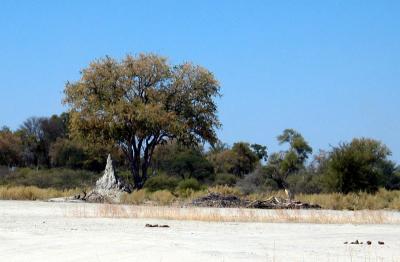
point(141, 102)
point(281, 165)
point(358, 166)
point(240, 160)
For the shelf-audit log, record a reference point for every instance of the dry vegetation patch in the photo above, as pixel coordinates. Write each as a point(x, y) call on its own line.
point(33, 193)
point(233, 214)
point(382, 200)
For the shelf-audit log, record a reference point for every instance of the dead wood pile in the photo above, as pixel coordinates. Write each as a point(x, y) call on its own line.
point(218, 200)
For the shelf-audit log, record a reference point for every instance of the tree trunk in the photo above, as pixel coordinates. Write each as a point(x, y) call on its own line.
point(137, 179)
point(139, 166)
point(134, 162)
point(139, 173)
point(283, 184)
point(289, 193)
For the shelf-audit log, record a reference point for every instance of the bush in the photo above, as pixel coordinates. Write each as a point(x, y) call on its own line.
point(306, 183)
point(357, 166)
point(225, 179)
point(161, 182)
point(257, 182)
point(136, 197)
point(50, 178)
point(225, 190)
point(177, 160)
point(382, 199)
point(240, 160)
point(163, 197)
point(33, 193)
point(190, 183)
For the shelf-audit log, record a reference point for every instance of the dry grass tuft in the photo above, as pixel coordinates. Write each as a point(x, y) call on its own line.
point(225, 190)
point(33, 193)
point(163, 197)
point(234, 214)
point(383, 199)
point(135, 198)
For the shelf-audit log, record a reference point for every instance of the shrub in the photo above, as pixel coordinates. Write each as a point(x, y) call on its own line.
point(183, 162)
point(383, 199)
point(163, 197)
point(190, 183)
point(239, 160)
point(257, 182)
point(136, 197)
point(190, 194)
point(191, 164)
point(225, 179)
point(161, 182)
point(50, 178)
point(306, 183)
point(225, 190)
point(33, 193)
point(357, 166)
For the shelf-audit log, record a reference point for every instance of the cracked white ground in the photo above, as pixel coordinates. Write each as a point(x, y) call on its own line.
point(42, 231)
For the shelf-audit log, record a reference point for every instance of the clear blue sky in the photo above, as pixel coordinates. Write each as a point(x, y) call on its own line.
point(330, 69)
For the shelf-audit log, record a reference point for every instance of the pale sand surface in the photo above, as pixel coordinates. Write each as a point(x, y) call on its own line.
point(42, 231)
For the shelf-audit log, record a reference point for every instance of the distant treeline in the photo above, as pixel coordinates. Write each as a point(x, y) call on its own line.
point(360, 165)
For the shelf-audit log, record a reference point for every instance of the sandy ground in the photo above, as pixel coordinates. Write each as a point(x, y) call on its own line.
point(42, 231)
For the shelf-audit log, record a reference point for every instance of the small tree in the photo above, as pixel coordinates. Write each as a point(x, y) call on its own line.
point(281, 165)
point(239, 160)
point(141, 102)
point(243, 158)
point(10, 147)
point(181, 161)
point(37, 135)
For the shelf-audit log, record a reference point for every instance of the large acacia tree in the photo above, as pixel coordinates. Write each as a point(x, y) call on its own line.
point(140, 102)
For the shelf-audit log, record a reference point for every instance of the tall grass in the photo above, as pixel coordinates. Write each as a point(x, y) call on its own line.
point(33, 193)
point(232, 214)
point(136, 197)
point(383, 199)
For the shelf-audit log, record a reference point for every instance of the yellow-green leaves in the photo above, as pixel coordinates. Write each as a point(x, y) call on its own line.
point(142, 101)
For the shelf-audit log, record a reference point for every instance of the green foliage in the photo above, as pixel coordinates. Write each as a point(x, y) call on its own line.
point(306, 183)
point(260, 151)
point(183, 162)
point(161, 182)
point(190, 183)
point(281, 165)
point(393, 182)
point(191, 165)
point(390, 175)
point(244, 158)
point(37, 135)
point(357, 166)
point(72, 153)
point(67, 153)
point(257, 182)
point(10, 148)
point(225, 179)
point(50, 178)
point(240, 160)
